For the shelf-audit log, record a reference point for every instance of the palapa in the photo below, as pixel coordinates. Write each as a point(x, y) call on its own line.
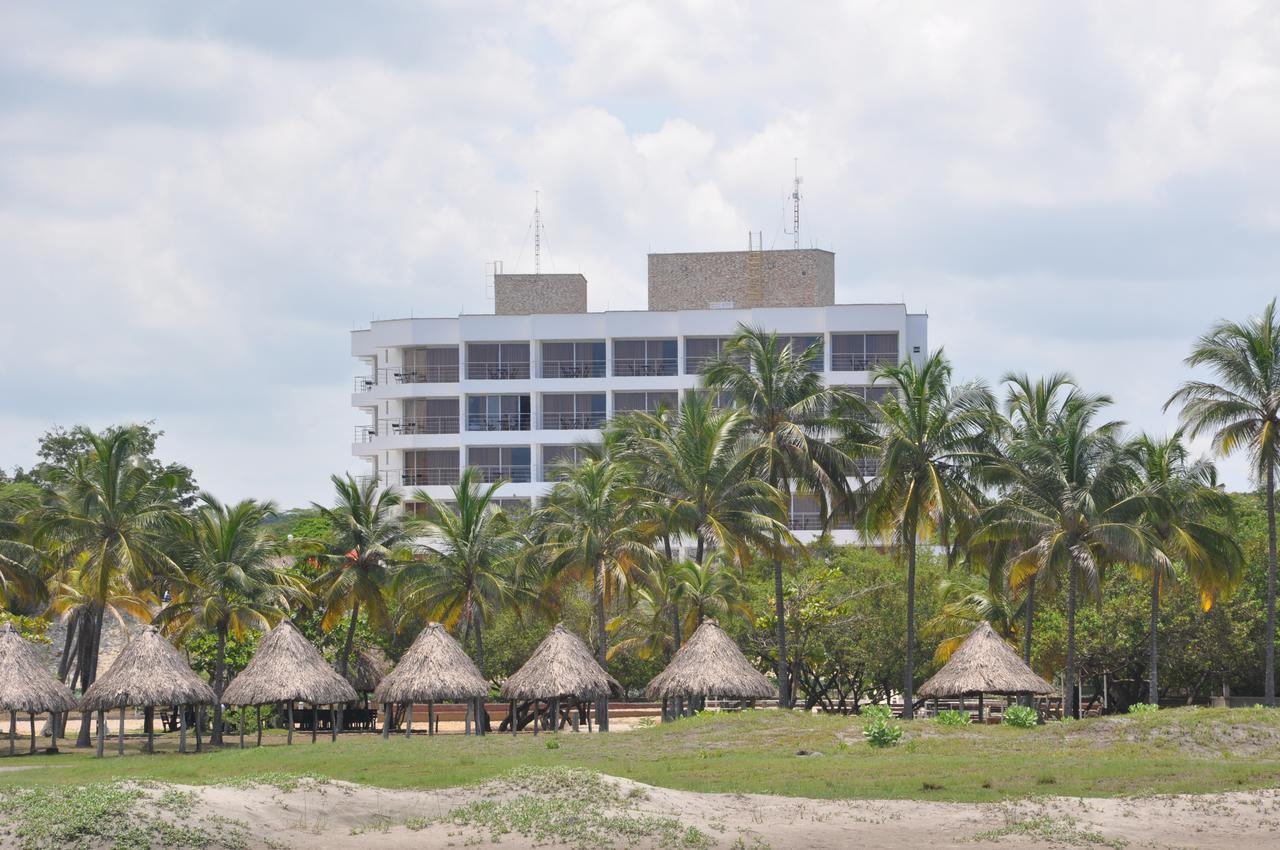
point(561, 666)
point(710, 665)
point(367, 668)
point(25, 684)
point(147, 672)
point(287, 668)
point(984, 664)
point(434, 668)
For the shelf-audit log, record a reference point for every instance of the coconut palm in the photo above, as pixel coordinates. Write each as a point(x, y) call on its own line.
point(711, 587)
point(929, 436)
point(1242, 411)
point(109, 519)
point(20, 586)
point(592, 524)
point(369, 541)
point(785, 403)
point(1185, 496)
point(230, 583)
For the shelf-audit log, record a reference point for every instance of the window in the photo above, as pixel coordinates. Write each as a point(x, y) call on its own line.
point(573, 359)
point(572, 411)
point(646, 401)
point(497, 360)
point(633, 357)
point(429, 468)
point(498, 413)
point(428, 365)
point(806, 515)
point(556, 459)
point(699, 351)
point(862, 352)
point(427, 416)
point(800, 344)
point(500, 463)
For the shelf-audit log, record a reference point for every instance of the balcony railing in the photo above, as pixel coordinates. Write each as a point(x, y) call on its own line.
point(572, 421)
point(867, 468)
point(498, 422)
point(413, 477)
point(484, 371)
point(860, 362)
point(406, 375)
point(491, 474)
point(630, 367)
point(806, 522)
point(409, 425)
point(571, 369)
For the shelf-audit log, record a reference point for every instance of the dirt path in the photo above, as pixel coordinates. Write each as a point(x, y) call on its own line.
point(339, 815)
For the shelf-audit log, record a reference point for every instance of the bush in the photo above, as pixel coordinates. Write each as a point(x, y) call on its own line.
point(881, 733)
point(1143, 708)
point(952, 717)
point(876, 712)
point(1021, 716)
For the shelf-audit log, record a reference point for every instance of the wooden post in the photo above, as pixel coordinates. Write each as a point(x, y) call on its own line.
point(242, 727)
point(259, 708)
point(537, 721)
point(290, 738)
point(575, 715)
point(199, 723)
point(335, 717)
point(315, 721)
point(481, 716)
point(149, 720)
point(665, 718)
point(120, 746)
point(981, 719)
point(431, 718)
point(588, 717)
point(182, 728)
point(102, 733)
point(54, 721)
point(513, 718)
point(408, 719)
point(13, 732)
point(33, 731)
point(386, 721)
point(555, 714)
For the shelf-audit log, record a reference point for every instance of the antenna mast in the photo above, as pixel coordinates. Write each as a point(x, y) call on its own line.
point(795, 204)
point(537, 234)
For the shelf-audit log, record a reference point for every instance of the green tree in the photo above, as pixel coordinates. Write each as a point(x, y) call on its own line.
point(1242, 410)
point(929, 436)
point(229, 583)
point(786, 405)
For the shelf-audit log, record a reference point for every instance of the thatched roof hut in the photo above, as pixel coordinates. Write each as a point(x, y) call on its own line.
point(148, 671)
point(561, 666)
point(25, 683)
point(435, 668)
point(287, 668)
point(367, 667)
point(710, 665)
point(984, 664)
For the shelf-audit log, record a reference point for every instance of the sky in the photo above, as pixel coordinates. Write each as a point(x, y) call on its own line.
point(199, 202)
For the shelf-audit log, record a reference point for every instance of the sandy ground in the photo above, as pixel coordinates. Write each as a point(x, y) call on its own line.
point(339, 815)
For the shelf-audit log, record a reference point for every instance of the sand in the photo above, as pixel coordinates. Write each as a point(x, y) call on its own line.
point(341, 815)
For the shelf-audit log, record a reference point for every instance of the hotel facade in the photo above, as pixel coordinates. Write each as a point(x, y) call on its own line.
point(513, 393)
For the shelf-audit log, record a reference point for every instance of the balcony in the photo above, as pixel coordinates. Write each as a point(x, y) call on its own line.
point(413, 477)
point(493, 473)
point(492, 371)
point(582, 421)
point(390, 375)
point(498, 422)
point(408, 425)
point(806, 521)
point(632, 367)
point(571, 369)
point(861, 362)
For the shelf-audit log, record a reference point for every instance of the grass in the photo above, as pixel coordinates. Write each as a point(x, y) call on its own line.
point(1183, 751)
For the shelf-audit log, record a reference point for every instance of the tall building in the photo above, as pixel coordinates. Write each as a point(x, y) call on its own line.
point(513, 392)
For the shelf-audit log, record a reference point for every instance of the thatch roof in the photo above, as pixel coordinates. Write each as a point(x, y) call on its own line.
point(710, 665)
point(367, 667)
point(561, 666)
point(25, 683)
point(148, 671)
point(434, 668)
point(285, 668)
point(984, 664)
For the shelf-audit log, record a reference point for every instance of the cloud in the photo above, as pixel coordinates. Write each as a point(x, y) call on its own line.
point(198, 203)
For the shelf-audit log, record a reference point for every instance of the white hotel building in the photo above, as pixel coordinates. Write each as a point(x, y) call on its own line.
point(513, 392)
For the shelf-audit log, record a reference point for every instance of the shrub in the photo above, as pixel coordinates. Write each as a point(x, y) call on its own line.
point(876, 712)
point(952, 717)
point(881, 733)
point(1143, 708)
point(1021, 716)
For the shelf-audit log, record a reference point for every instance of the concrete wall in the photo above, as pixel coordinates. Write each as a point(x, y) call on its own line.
point(700, 281)
point(526, 294)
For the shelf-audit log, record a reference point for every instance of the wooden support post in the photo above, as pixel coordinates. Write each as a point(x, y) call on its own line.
point(120, 746)
point(102, 733)
point(182, 728)
point(588, 717)
point(149, 720)
point(981, 719)
point(555, 714)
point(315, 721)
point(537, 720)
point(408, 720)
point(242, 727)
point(575, 715)
point(33, 731)
point(289, 740)
point(335, 717)
point(481, 716)
point(13, 732)
point(386, 721)
point(665, 718)
point(259, 713)
point(55, 720)
point(513, 718)
point(431, 718)
point(199, 723)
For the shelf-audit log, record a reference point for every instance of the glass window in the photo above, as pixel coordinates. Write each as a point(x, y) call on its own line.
point(698, 351)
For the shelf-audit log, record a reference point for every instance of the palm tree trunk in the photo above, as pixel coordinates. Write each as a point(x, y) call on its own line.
point(219, 673)
point(909, 673)
point(779, 614)
point(602, 705)
point(482, 716)
point(1071, 709)
point(1153, 690)
point(89, 668)
point(345, 658)
point(1030, 606)
point(1270, 686)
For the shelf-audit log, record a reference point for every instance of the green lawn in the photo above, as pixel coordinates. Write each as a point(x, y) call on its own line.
point(1179, 751)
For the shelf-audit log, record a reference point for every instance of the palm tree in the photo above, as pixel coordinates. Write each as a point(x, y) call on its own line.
point(711, 587)
point(369, 541)
point(1243, 412)
point(230, 582)
point(109, 518)
point(1185, 496)
point(593, 523)
point(471, 548)
point(20, 586)
point(785, 403)
point(929, 436)
point(971, 598)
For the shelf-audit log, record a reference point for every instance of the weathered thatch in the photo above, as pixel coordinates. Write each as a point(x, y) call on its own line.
point(148, 671)
point(984, 664)
point(286, 668)
point(368, 666)
point(710, 665)
point(25, 683)
point(561, 666)
point(435, 668)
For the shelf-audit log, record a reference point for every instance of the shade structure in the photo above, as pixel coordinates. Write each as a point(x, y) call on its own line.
point(288, 668)
point(367, 667)
point(434, 668)
point(147, 672)
point(984, 664)
point(25, 683)
point(710, 665)
point(561, 667)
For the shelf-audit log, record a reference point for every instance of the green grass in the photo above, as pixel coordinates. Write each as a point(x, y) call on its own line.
point(1181, 751)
